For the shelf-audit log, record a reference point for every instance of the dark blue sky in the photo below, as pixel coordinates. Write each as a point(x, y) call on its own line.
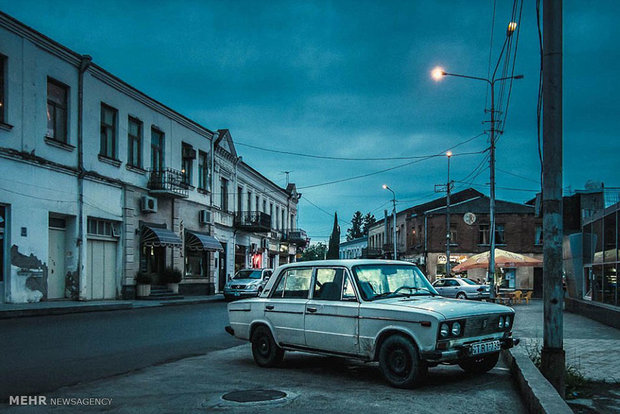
point(352, 79)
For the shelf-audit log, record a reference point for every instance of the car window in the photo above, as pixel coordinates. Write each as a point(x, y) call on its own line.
point(439, 283)
point(452, 283)
point(348, 293)
point(328, 284)
point(469, 281)
point(294, 283)
point(248, 274)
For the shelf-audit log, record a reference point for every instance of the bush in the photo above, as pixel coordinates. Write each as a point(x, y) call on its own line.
point(143, 278)
point(171, 275)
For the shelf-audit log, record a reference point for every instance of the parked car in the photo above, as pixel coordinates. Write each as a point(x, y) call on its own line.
point(374, 310)
point(461, 288)
point(247, 283)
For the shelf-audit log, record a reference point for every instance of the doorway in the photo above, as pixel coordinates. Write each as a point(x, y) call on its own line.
point(221, 280)
point(538, 283)
point(56, 259)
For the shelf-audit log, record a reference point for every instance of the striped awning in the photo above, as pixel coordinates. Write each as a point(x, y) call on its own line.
point(200, 241)
point(158, 237)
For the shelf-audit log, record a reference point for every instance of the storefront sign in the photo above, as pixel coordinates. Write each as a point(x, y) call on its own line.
point(441, 259)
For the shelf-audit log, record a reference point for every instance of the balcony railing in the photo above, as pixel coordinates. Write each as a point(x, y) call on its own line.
point(254, 221)
point(168, 182)
point(298, 237)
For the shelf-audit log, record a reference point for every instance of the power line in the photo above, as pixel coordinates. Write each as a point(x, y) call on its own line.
point(517, 175)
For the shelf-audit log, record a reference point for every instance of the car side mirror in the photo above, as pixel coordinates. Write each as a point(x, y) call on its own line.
point(267, 278)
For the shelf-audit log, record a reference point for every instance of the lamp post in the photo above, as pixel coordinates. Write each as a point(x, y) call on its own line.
point(438, 74)
point(385, 186)
point(448, 265)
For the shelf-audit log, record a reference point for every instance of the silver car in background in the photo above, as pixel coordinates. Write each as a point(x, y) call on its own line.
point(247, 283)
point(461, 288)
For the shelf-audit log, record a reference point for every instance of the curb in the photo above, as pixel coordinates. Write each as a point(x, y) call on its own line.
point(78, 308)
point(22, 313)
point(537, 393)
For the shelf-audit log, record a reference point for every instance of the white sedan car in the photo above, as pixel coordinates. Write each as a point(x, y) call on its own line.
point(461, 288)
point(374, 310)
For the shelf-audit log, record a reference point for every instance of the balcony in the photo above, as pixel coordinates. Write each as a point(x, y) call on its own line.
point(298, 237)
point(167, 183)
point(253, 221)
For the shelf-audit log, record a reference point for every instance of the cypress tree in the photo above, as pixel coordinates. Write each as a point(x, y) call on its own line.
point(333, 252)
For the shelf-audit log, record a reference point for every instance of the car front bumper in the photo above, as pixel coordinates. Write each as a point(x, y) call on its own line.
point(460, 352)
point(240, 293)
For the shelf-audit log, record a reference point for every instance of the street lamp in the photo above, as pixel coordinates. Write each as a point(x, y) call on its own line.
point(448, 265)
point(385, 187)
point(438, 74)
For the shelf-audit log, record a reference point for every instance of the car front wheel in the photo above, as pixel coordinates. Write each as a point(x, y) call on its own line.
point(479, 364)
point(400, 363)
point(265, 351)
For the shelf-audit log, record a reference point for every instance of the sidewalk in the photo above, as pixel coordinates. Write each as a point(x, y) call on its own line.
point(12, 310)
point(590, 346)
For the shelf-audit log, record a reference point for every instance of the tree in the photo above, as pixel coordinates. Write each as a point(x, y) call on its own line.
point(369, 220)
point(355, 231)
point(314, 252)
point(333, 252)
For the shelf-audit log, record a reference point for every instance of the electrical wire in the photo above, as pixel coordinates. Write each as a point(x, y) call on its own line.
point(517, 175)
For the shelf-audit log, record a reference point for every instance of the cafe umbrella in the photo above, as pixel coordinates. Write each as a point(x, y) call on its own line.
point(503, 258)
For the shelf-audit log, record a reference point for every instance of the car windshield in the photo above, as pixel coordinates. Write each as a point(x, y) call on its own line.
point(388, 280)
point(469, 281)
point(248, 274)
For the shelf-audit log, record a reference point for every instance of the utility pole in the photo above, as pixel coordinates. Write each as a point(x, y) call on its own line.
point(440, 188)
point(491, 270)
point(552, 355)
point(385, 186)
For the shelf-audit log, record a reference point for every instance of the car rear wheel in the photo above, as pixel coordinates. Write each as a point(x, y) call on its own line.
point(265, 351)
point(479, 364)
point(461, 295)
point(400, 363)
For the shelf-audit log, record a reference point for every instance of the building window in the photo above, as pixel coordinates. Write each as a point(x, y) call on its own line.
point(483, 234)
point(98, 227)
point(499, 234)
point(239, 199)
point(264, 206)
point(538, 236)
point(157, 149)
point(271, 216)
point(56, 110)
point(2, 89)
point(187, 163)
point(276, 218)
point(224, 194)
point(283, 222)
point(257, 204)
point(249, 201)
point(134, 142)
point(203, 170)
point(108, 131)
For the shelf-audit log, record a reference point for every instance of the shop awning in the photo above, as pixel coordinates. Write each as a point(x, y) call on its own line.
point(158, 237)
point(199, 241)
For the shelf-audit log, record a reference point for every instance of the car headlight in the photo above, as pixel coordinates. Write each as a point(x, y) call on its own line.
point(456, 329)
point(507, 322)
point(253, 287)
point(444, 330)
point(501, 322)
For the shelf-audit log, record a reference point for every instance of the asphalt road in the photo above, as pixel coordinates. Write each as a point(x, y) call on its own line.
point(41, 354)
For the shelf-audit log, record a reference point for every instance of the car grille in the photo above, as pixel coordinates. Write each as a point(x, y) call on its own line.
point(237, 286)
point(477, 326)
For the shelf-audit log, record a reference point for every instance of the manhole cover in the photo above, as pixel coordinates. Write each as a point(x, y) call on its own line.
point(254, 395)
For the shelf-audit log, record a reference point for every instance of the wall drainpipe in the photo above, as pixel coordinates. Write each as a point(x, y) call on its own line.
point(84, 64)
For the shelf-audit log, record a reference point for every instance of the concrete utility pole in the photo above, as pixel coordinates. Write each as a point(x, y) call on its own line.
point(552, 356)
point(394, 218)
point(439, 188)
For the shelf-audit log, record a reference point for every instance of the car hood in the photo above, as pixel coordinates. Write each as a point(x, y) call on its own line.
point(448, 308)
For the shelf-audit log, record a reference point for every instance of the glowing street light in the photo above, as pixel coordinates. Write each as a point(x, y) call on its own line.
point(512, 26)
point(438, 73)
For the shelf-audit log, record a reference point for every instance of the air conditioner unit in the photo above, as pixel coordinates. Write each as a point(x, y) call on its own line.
point(148, 204)
point(204, 217)
point(189, 152)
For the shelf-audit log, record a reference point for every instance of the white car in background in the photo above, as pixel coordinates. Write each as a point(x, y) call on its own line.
point(374, 310)
point(246, 283)
point(461, 288)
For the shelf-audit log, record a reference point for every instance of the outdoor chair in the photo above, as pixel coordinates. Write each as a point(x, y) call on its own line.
point(527, 297)
point(518, 296)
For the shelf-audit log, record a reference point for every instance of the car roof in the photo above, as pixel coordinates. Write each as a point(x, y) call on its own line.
point(346, 262)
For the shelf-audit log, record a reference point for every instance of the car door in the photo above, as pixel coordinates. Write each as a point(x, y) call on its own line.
point(451, 288)
point(287, 304)
point(439, 285)
point(332, 313)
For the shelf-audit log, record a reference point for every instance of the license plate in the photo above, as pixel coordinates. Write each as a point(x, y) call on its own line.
point(485, 347)
point(236, 293)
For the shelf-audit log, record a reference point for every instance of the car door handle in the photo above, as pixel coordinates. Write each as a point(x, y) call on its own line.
point(311, 310)
point(269, 307)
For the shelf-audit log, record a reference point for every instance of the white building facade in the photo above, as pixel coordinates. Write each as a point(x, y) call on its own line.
point(353, 249)
point(98, 182)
